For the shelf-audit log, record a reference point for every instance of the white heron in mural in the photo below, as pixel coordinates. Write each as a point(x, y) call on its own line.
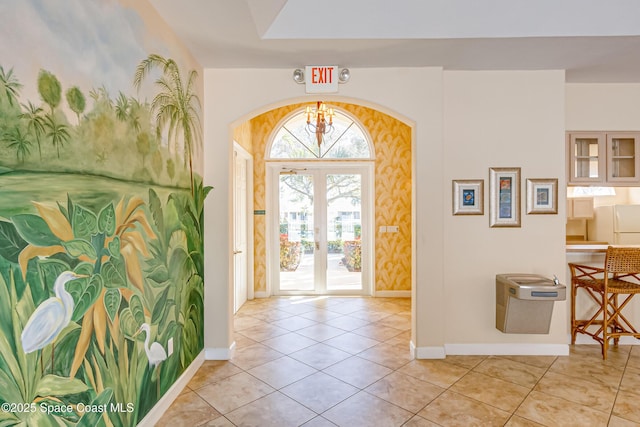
point(51, 317)
point(155, 352)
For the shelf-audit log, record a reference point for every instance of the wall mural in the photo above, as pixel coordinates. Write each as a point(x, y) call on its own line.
point(101, 244)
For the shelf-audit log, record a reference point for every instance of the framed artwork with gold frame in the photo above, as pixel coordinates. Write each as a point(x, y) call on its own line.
point(468, 197)
point(504, 194)
point(542, 196)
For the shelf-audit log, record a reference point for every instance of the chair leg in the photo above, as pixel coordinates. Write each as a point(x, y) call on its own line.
point(605, 326)
point(574, 292)
point(615, 318)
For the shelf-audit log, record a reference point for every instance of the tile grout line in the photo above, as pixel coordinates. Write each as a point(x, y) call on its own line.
point(529, 393)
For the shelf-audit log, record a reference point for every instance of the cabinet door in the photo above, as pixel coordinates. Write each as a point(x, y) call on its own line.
point(623, 164)
point(586, 157)
point(580, 208)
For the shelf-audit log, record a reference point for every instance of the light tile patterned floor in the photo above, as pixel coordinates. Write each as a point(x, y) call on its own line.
point(345, 362)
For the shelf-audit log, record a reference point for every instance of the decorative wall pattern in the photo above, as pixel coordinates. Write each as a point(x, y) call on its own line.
point(101, 221)
point(392, 144)
point(262, 126)
point(242, 135)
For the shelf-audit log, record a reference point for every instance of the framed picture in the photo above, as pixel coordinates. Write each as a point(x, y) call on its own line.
point(542, 196)
point(504, 192)
point(468, 197)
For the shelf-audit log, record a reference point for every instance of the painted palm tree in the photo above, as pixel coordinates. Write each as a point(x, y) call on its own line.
point(9, 85)
point(135, 110)
point(57, 132)
point(49, 89)
point(122, 107)
point(100, 95)
point(176, 106)
point(19, 142)
point(76, 101)
point(35, 122)
point(128, 110)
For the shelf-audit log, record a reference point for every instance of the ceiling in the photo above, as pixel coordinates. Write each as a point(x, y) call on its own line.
point(593, 40)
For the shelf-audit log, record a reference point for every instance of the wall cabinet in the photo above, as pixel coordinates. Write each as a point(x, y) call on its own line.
point(603, 158)
point(580, 208)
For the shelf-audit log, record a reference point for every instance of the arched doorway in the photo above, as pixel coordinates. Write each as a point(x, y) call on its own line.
point(320, 192)
point(391, 188)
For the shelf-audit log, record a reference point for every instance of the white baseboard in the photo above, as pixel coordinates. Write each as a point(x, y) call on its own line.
point(489, 350)
point(172, 394)
point(261, 294)
point(220, 353)
point(429, 352)
point(508, 349)
point(393, 294)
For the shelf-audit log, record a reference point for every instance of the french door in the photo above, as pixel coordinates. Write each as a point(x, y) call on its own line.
point(322, 238)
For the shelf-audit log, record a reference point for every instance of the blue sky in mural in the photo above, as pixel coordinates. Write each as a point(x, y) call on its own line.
point(100, 40)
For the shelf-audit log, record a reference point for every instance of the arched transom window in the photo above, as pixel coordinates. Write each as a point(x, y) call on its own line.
point(298, 140)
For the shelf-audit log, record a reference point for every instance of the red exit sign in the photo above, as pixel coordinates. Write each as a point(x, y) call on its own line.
point(321, 78)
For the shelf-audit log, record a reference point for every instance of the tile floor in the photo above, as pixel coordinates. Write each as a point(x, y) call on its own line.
point(345, 362)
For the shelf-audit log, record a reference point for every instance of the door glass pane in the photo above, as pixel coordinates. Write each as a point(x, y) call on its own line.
point(623, 158)
point(586, 158)
point(344, 232)
point(297, 139)
point(296, 233)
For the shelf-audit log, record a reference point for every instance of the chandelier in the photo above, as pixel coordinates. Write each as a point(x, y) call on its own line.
point(319, 120)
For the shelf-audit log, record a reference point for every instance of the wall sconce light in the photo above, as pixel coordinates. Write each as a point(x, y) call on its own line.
point(344, 75)
point(298, 76)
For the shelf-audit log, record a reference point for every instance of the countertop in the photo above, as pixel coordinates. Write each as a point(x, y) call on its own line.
point(586, 246)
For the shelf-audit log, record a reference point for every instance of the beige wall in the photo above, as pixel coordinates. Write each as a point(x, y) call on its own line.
point(501, 119)
point(602, 106)
point(392, 146)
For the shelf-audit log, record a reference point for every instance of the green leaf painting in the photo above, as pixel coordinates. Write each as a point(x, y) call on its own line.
point(78, 247)
point(114, 247)
point(137, 309)
point(112, 300)
point(107, 220)
point(128, 324)
point(85, 295)
point(91, 418)
point(114, 273)
point(84, 222)
point(11, 244)
point(34, 230)
point(54, 385)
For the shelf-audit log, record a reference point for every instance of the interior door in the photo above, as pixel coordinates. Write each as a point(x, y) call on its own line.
point(322, 231)
point(240, 208)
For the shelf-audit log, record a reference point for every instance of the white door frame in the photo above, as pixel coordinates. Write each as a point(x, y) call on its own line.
point(248, 158)
point(273, 169)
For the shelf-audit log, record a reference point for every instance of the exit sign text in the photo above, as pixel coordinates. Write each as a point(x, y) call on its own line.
point(321, 79)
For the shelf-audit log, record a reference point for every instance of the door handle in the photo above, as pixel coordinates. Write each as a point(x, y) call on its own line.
point(317, 246)
point(237, 252)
